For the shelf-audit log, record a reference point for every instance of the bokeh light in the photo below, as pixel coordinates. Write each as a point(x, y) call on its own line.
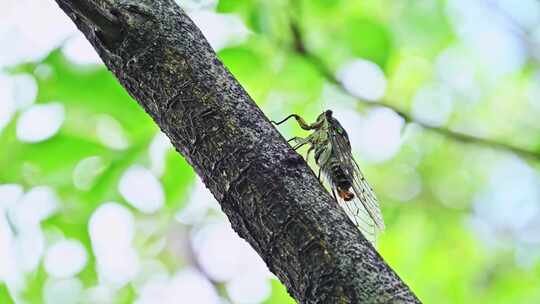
point(87, 171)
point(65, 259)
point(157, 151)
point(40, 122)
point(141, 189)
point(363, 79)
point(63, 291)
point(433, 105)
point(111, 133)
point(117, 260)
point(79, 51)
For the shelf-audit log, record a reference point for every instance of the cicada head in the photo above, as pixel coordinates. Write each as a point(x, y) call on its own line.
point(325, 116)
point(322, 117)
point(328, 114)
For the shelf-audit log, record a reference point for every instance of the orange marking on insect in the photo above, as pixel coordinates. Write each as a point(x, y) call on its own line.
point(346, 195)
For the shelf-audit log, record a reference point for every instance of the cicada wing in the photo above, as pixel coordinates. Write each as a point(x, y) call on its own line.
point(364, 206)
point(360, 217)
point(354, 209)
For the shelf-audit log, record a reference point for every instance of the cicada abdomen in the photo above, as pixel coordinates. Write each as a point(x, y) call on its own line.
point(339, 179)
point(332, 170)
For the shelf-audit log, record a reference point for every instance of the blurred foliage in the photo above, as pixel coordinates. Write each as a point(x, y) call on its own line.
point(440, 238)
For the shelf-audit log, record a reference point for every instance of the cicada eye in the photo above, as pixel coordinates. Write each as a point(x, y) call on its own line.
point(328, 113)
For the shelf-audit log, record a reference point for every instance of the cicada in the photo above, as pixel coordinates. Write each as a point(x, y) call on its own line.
point(332, 148)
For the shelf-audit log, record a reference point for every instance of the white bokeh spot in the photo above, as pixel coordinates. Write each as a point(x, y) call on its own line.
point(249, 288)
point(432, 105)
point(376, 136)
point(456, 69)
point(65, 291)
point(506, 213)
point(8, 104)
point(363, 79)
point(120, 267)
point(33, 37)
point(237, 257)
point(86, 171)
point(111, 229)
point(10, 272)
point(489, 35)
point(109, 215)
point(110, 132)
point(65, 258)
point(221, 30)
point(197, 5)
point(79, 51)
point(40, 122)
point(140, 187)
point(188, 284)
point(25, 90)
point(200, 202)
point(36, 205)
point(158, 152)
point(29, 247)
point(9, 195)
point(380, 137)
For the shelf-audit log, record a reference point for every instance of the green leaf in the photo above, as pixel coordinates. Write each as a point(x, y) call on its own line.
point(368, 39)
point(90, 92)
point(33, 292)
point(249, 65)
point(5, 297)
point(300, 80)
point(49, 162)
point(235, 6)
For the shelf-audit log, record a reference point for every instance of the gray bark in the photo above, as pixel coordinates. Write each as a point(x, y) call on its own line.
point(270, 195)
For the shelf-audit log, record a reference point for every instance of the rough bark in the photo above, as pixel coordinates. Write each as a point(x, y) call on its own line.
point(272, 198)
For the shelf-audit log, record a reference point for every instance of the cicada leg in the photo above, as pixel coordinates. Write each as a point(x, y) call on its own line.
point(298, 146)
point(303, 124)
point(309, 151)
point(334, 195)
point(299, 142)
point(295, 138)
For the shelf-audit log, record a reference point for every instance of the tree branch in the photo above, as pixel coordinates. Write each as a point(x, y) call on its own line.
point(300, 48)
point(272, 198)
point(102, 19)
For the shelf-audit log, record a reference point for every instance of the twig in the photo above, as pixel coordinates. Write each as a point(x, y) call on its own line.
point(300, 48)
